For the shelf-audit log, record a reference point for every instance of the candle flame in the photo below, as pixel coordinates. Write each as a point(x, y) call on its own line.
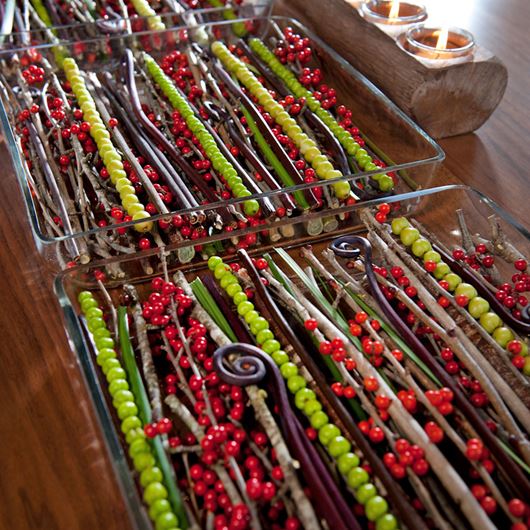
point(443, 35)
point(394, 9)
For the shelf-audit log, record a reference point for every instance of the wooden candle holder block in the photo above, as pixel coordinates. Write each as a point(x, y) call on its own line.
point(444, 98)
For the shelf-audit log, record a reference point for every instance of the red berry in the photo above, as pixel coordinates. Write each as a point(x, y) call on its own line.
point(517, 507)
point(462, 300)
point(371, 384)
point(311, 324)
point(520, 264)
point(489, 504)
point(434, 432)
point(325, 348)
point(420, 467)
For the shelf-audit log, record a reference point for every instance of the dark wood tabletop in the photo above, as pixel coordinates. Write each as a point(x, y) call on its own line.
point(54, 469)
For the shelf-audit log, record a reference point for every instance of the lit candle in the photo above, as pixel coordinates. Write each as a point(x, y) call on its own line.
point(438, 45)
point(393, 16)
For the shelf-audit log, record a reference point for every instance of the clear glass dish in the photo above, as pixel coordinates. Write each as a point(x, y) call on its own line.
point(435, 209)
point(116, 24)
point(409, 154)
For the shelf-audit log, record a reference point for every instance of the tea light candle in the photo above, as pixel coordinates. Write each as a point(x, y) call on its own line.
point(393, 16)
point(438, 46)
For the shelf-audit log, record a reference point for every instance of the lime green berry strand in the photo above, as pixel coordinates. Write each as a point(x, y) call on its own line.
point(305, 399)
point(478, 307)
point(364, 160)
point(140, 451)
point(308, 148)
point(219, 162)
point(154, 22)
point(109, 154)
point(229, 14)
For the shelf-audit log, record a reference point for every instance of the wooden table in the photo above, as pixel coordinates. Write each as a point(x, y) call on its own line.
point(55, 472)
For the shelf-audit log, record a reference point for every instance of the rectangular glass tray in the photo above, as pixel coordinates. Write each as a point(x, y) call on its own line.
point(435, 209)
point(80, 31)
point(409, 154)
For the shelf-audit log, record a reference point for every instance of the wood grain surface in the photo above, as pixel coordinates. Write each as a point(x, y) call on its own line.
point(54, 469)
point(445, 101)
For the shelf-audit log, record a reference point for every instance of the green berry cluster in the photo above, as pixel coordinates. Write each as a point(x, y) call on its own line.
point(219, 162)
point(362, 157)
point(155, 493)
point(478, 307)
point(107, 151)
point(338, 447)
point(154, 22)
point(319, 162)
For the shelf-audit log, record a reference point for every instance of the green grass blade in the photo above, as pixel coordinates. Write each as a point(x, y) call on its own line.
point(210, 306)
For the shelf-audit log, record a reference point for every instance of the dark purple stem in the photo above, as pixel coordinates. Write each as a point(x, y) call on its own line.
point(407, 514)
point(158, 137)
point(252, 368)
point(345, 246)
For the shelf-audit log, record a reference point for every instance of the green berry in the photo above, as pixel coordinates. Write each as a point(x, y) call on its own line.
point(166, 521)
point(280, 357)
point(143, 461)
point(399, 224)
point(258, 325)
point(109, 364)
point(131, 422)
point(154, 492)
point(117, 385)
point(302, 396)
point(420, 247)
point(295, 383)
point(453, 280)
point(490, 321)
point(318, 419)
point(264, 335)
point(478, 306)
point(408, 235)
point(466, 289)
point(158, 507)
point(357, 477)
point(386, 522)
point(375, 508)
point(502, 336)
point(365, 493)
point(115, 373)
point(244, 307)
point(251, 316)
point(327, 432)
point(346, 462)
point(339, 446)
point(139, 446)
point(442, 269)
point(311, 406)
point(239, 298)
point(126, 409)
point(270, 346)
point(432, 255)
point(153, 474)
point(288, 370)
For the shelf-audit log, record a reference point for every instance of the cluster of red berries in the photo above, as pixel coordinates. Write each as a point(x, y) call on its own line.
point(224, 440)
point(162, 426)
point(294, 48)
point(408, 456)
point(509, 294)
point(477, 396)
point(441, 399)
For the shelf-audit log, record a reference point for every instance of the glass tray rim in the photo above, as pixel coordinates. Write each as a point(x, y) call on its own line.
point(269, 4)
point(31, 208)
point(84, 357)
